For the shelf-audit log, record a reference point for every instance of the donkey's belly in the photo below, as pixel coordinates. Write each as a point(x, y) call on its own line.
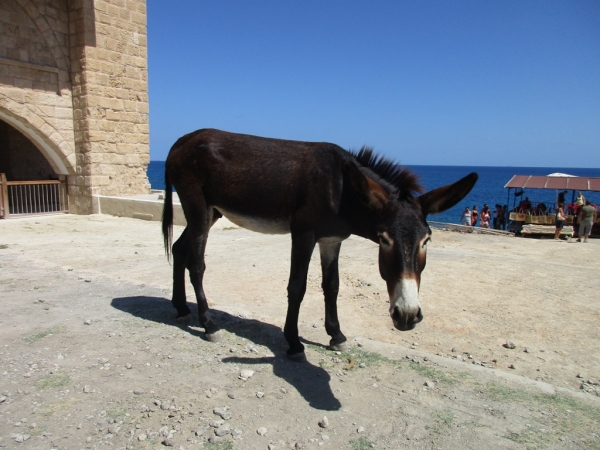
point(258, 224)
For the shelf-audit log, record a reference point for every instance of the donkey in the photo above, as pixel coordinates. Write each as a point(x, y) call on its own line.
point(317, 192)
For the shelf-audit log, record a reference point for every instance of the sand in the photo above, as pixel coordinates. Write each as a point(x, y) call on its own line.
point(477, 293)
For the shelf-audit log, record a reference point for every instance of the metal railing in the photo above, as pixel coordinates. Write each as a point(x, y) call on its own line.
point(32, 197)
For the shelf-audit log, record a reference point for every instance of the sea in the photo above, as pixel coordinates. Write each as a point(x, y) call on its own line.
point(489, 188)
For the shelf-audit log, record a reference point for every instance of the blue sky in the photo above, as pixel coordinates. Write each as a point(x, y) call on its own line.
point(498, 83)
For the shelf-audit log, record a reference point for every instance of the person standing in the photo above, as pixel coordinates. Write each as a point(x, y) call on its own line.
point(580, 200)
point(561, 197)
point(559, 220)
point(485, 217)
point(496, 220)
point(474, 216)
point(466, 217)
point(587, 217)
point(501, 218)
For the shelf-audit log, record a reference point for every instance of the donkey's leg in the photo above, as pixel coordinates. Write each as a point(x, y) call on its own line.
point(180, 260)
point(330, 252)
point(302, 248)
point(200, 219)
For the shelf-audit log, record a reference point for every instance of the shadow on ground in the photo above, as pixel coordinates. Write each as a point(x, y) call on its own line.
point(312, 382)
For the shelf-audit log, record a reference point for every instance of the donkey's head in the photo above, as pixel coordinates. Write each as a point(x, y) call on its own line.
point(402, 232)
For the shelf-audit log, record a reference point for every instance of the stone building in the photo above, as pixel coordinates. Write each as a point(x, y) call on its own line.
point(74, 96)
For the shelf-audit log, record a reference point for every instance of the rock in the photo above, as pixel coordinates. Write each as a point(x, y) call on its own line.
point(261, 431)
point(271, 447)
point(283, 390)
point(200, 431)
point(2, 399)
point(245, 374)
point(165, 405)
point(360, 430)
point(580, 375)
point(87, 389)
point(236, 433)
point(222, 412)
point(260, 394)
point(509, 344)
point(362, 365)
point(142, 437)
point(231, 395)
point(512, 366)
point(324, 422)
point(169, 442)
point(128, 366)
point(454, 349)
point(87, 322)
point(20, 438)
point(429, 384)
point(216, 423)
point(138, 392)
point(300, 444)
point(223, 430)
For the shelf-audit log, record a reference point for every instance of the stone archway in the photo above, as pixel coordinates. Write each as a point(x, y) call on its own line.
point(54, 152)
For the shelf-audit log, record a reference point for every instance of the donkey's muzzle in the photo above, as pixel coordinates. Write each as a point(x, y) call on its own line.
point(406, 320)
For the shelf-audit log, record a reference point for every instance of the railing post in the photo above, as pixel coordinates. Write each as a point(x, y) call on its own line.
point(65, 187)
point(4, 212)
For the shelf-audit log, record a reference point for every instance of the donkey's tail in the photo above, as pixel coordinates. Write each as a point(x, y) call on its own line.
point(167, 217)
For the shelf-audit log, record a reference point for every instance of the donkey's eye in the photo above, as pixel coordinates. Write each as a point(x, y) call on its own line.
point(425, 242)
point(384, 239)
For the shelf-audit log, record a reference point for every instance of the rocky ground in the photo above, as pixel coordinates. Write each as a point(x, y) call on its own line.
point(91, 357)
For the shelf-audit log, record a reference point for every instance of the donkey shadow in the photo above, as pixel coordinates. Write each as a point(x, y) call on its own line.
point(312, 382)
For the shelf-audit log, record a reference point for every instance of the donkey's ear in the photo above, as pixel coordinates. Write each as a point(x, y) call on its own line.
point(371, 193)
point(446, 197)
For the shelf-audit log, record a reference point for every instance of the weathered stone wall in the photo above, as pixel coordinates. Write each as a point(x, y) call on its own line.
point(73, 79)
point(110, 97)
point(35, 89)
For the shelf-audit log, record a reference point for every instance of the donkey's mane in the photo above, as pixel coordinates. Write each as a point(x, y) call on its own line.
point(400, 178)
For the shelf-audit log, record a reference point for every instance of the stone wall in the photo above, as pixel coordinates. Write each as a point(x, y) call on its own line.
point(73, 80)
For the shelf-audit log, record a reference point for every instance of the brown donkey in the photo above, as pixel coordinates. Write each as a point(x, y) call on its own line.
point(318, 192)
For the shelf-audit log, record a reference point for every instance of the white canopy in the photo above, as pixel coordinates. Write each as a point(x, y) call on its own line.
point(558, 174)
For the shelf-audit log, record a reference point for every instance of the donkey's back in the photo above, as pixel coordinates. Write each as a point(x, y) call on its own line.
point(258, 183)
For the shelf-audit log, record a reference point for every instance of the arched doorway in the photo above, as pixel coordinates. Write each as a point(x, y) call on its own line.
point(20, 160)
point(29, 183)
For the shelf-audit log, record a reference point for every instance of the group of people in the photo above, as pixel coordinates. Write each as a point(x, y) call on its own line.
point(498, 218)
point(586, 215)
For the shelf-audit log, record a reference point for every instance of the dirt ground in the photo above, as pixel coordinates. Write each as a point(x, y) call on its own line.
point(91, 357)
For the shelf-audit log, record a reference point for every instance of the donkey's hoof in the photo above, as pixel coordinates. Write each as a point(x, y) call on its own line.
point(297, 357)
point(217, 336)
point(184, 320)
point(340, 347)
